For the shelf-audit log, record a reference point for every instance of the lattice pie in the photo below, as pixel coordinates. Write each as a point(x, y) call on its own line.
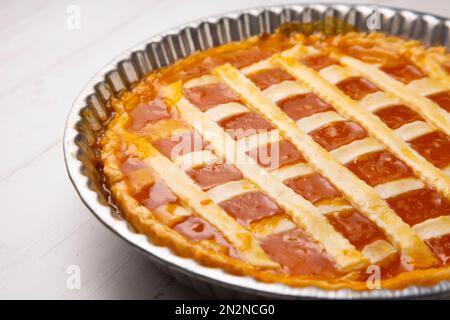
point(296, 159)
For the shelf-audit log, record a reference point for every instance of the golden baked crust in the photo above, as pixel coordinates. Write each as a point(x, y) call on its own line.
point(324, 214)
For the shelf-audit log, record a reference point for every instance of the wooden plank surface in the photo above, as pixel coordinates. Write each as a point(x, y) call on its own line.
point(44, 64)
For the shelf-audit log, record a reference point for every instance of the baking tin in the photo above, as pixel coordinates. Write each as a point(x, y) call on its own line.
point(90, 111)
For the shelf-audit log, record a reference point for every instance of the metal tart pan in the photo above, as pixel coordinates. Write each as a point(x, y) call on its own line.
point(90, 112)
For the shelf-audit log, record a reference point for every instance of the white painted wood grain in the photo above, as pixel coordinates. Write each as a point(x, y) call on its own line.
point(43, 66)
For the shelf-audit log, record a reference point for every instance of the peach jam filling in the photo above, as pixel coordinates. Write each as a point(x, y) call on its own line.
point(441, 247)
point(244, 57)
point(318, 61)
point(155, 196)
point(210, 95)
point(196, 229)
point(442, 99)
point(435, 147)
point(395, 265)
point(265, 48)
point(357, 87)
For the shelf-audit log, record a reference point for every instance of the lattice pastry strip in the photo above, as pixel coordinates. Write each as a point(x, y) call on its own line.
point(413, 130)
point(226, 110)
point(378, 251)
point(334, 206)
point(357, 148)
point(394, 188)
point(318, 120)
point(427, 86)
point(433, 228)
point(284, 89)
point(230, 190)
point(195, 159)
point(288, 172)
point(378, 100)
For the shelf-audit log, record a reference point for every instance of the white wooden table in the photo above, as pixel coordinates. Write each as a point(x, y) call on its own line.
point(45, 61)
